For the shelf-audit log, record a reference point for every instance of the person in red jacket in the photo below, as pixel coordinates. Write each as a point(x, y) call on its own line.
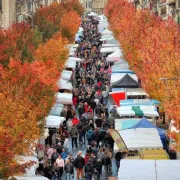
point(86, 107)
point(75, 101)
point(75, 120)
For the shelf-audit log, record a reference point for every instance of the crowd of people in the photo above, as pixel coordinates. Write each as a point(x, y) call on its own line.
point(88, 119)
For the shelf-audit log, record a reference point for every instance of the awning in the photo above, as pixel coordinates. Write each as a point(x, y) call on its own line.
point(64, 98)
point(116, 77)
point(149, 111)
point(54, 121)
point(109, 49)
point(106, 31)
point(115, 56)
point(56, 109)
point(66, 75)
point(138, 102)
point(92, 14)
point(117, 96)
point(63, 84)
point(149, 170)
point(75, 59)
point(141, 138)
point(70, 64)
point(110, 45)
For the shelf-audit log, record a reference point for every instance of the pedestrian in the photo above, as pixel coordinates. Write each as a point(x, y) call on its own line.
point(106, 161)
point(64, 154)
point(60, 165)
point(49, 152)
point(89, 136)
point(118, 157)
point(54, 156)
point(75, 120)
point(66, 144)
point(69, 170)
point(88, 171)
point(74, 135)
point(79, 165)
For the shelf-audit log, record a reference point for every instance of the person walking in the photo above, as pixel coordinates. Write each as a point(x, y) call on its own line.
point(74, 135)
point(106, 161)
point(79, 165)
point(54, 156)
point(64, 154)
point(69, 170)
point(66, 144)
point(88, 171)
point(60, 165)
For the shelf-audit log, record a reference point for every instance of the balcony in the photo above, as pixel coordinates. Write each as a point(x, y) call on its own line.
point(171, 2)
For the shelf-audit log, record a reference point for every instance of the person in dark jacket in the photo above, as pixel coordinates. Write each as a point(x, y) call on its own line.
point(79, 165)
point(69, 170)
point(118, 156)
point(106, 161)
point(74, 135)
point(88, 171)
point(54, 156)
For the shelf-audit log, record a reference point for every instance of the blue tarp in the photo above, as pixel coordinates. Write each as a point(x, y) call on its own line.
point(138, 102)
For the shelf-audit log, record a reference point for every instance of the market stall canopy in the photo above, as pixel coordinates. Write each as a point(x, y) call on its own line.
point(75, 59)
point(138, 102)
point(110, 45)
point(122, 124)
point(70, 64)
point(140, 138)
point(109, 49)
point(112, 41)
point(56, 109)
point(66, 75)
point(149, 111)
point(54, 121)
point(92, 14)
point(63, 84)
point(120, 66)
point(30, 173)
point(149, 170)
point(64, 98)
point(72, 45)
point(105, 38)
point(115, 56)
point(120, 80)
point(117, 96)
point(144, 123)
point(106, 31)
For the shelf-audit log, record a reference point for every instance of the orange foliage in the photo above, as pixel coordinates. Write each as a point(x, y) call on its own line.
point(152, 48)
point(69, 25)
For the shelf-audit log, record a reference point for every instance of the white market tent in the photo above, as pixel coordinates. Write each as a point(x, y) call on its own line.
point(149, 111)
point(92, 14)
point(63, 84)
point(149, 170)
point(72, 45)
point(56, 109)
point(115, 77)
point(75, 59)
point(110, 45)
point(106, 31)
point(115, 56)
point(120, 66)
point(66, 75)
point(70, 64)
point(64, 98)
point(105, 38)
point(140, 138)
point(54, 121)
point(109, 49)
point(30, 173)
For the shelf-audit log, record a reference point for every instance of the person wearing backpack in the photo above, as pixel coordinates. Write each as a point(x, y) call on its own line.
point(74, 135)
point(89, 135)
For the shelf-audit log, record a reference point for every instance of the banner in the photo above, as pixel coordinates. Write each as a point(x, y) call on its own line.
point(118, 139)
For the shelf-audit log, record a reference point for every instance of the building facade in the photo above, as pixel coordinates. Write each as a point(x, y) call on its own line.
point(7, 13)
point(163, 8)
point(87, 4)
point(98, 6)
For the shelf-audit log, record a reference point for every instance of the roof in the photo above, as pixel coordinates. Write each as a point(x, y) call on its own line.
point(149, 170)
point(54, 121)
point(64, 98)
point(125, 82)
point(141, 138)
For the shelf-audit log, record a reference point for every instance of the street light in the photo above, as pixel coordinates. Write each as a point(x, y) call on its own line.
point(169, 79)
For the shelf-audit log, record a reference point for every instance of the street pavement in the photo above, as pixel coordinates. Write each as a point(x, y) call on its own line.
point(82, 147)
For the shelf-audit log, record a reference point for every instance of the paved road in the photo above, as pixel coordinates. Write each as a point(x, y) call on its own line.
point(83, 149)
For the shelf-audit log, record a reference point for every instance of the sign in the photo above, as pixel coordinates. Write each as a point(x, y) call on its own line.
point(118, 139)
